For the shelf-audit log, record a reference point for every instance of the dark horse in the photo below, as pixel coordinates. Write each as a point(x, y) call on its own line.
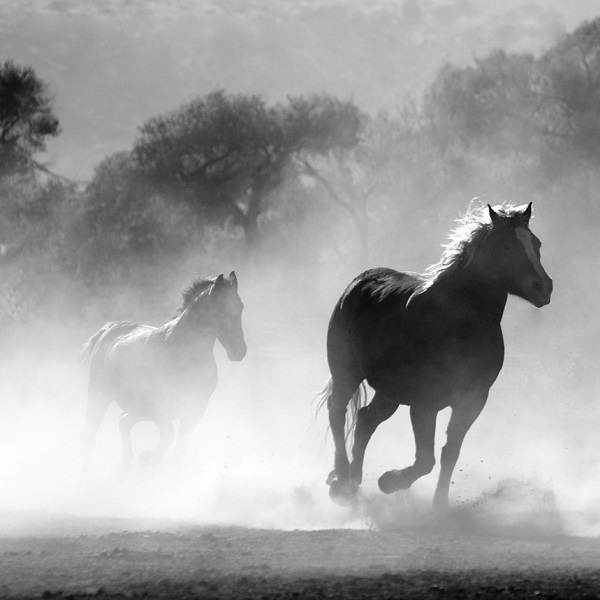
point(428, 341)
point(163, 373)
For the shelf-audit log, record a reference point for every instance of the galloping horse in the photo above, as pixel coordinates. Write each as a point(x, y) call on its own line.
point(428, 341)
point(163, 373)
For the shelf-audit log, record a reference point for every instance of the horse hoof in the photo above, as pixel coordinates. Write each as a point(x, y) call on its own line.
point(331, 477)
point(149, 459)
point(343, 491)
point(392, 481)
point(441, 507)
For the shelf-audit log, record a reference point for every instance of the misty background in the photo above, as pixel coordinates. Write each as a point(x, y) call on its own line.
point(297, 144)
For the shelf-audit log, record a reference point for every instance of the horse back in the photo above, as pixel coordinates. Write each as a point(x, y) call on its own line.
point(390, 331)
point(145, 372)
point(373, 302)
point(380, 288)
point(97, 347)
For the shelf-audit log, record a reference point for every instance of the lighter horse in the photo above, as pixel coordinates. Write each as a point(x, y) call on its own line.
point(165, 373)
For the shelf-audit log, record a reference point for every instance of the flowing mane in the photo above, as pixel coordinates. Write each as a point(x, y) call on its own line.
point(194, 290)
point(464, 240)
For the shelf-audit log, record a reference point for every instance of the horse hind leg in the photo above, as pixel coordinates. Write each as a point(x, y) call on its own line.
point(341, 487)
point(368, 419)
point(150, 458)
point(126, 423)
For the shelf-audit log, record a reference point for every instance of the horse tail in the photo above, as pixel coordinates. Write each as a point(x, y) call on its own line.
point(357, 401)
point(322, 398)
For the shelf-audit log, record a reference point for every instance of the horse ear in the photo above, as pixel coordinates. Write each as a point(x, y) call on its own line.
point(494, 216)
point(233, 280)
point(526, 214)
point(218, 284)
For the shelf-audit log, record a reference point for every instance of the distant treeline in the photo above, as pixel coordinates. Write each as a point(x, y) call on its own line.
point(308, 183)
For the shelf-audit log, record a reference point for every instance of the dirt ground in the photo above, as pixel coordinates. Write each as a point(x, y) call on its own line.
point(77, 557)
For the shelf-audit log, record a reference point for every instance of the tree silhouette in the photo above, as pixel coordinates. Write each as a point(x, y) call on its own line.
point(225, 154)
point(570, 85)
point(515, 101)
point(26, 118)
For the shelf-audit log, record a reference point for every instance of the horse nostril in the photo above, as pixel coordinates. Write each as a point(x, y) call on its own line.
point(538, 286)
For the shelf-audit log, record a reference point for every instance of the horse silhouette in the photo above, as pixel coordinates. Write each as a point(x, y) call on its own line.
point(428, 341)
point(166, 373)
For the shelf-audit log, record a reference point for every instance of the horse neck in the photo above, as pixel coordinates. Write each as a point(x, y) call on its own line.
point(474, 292)
point(192, 331)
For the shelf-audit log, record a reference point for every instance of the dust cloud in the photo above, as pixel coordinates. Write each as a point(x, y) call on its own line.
point(260, 457)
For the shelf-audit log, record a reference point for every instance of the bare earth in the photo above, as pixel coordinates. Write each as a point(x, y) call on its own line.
point(50, 557)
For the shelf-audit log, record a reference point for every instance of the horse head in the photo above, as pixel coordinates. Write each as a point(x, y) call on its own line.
point(512, 255)
point(228, 315)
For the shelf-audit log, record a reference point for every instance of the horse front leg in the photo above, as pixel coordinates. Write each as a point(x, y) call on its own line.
point(463, 416)
point(423, 420)
point(191, 415)
point(126, 423)
point(166, 431)
point(187, 425)
point(368, 419)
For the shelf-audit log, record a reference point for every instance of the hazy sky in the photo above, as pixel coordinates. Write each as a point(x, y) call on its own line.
point(112, 64)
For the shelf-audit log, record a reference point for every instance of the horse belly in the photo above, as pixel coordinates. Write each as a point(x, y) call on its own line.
point(152, 391)
point(436, 375)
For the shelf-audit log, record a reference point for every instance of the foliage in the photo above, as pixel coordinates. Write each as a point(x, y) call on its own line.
point(515, 102)
point(121, 219)
point(570, 90)
point(34, 211)
point(352, 176)
point(26, 118)
point(489, 104)
point(225, 154)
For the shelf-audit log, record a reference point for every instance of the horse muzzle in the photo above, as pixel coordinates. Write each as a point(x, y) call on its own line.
point(540, 292)
point(236, 353)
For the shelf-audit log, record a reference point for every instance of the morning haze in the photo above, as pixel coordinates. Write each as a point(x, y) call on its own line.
point(295, 144)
